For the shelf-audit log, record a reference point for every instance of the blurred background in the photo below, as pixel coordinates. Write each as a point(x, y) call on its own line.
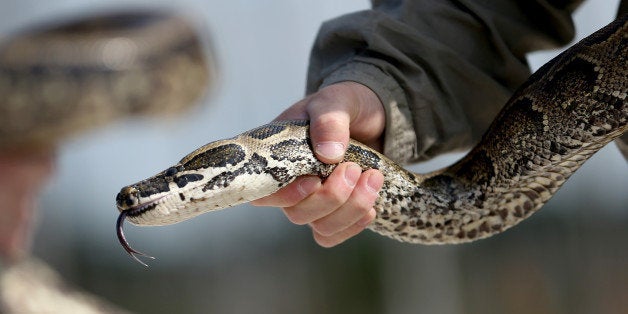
point(571, 257)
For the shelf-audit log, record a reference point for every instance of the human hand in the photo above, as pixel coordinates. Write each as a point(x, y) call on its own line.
point(342, 206)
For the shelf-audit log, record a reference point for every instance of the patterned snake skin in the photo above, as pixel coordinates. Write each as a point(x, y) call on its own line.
point(565, 112)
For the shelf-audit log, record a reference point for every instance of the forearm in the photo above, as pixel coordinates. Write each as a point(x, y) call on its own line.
point(442, 69)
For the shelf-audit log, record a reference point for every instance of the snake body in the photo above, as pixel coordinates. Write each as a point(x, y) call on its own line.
point(569, 109)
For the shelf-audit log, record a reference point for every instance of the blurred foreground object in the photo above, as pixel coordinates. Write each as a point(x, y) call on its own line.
point(74, 76)
point(61, 79)
point(33, 287)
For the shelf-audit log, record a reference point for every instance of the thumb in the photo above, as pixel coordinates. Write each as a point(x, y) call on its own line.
point(329, 124)
point(330, 111)
point(330, 136)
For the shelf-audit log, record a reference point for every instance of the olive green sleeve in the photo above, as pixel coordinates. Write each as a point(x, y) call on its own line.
point(442, 69)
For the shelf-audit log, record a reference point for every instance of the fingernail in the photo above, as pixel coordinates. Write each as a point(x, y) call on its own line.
point(352, 174)
point(308, 185)
point(330, 150)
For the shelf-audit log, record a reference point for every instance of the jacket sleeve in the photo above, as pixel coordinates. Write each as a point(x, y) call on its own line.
point(442, 69)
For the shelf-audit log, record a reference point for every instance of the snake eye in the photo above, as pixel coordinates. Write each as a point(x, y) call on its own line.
point(171, 171)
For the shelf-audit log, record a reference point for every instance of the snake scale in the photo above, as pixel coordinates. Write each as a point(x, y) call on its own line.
point(564, 113)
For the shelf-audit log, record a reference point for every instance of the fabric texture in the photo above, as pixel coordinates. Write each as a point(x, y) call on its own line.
point(442, 68)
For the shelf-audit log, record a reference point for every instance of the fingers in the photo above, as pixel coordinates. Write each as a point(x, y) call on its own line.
point(337, 209)
point(356, 206)
point(337, 238)
point(292, 193)
point(332, 195)
point(330, 111)
point(340, 207)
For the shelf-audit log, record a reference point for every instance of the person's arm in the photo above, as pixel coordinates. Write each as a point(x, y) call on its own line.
point(411, 78)
point(442, 69)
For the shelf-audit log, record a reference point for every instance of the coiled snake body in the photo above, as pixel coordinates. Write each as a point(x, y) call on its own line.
point(564, 113)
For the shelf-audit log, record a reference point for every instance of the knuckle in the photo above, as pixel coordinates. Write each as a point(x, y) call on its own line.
point(335, 197)
point(369, 217)
point(335, 192)
point(361, 209)
point(295, 216)
point(323, 228)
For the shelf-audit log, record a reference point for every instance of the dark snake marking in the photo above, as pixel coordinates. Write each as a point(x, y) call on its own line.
point(151, 186)
point(183, 180)
point(265, 131)
point(257, 165)
point(292, 150)
point(281, 175)
point(482, 169)
point(367, 159)
point(221, 156)
point(268, 130)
